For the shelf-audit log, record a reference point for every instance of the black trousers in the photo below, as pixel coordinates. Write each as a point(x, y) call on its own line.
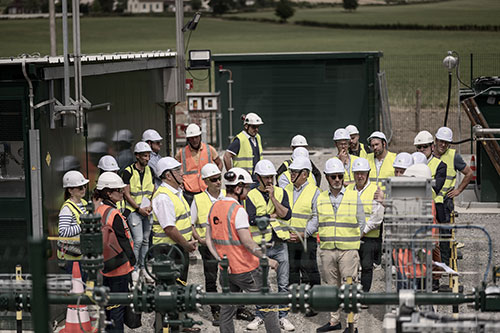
point(189, 196)
point(116, 314)
point(445, 234)
point(369, 251)
point(303, 265)
point(210, 268)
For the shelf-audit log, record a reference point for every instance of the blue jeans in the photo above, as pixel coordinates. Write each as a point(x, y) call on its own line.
point(140, 227)
point(279, 252)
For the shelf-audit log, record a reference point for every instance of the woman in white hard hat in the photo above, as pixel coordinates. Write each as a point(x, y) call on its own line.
point(116, 272)
point(74, 184)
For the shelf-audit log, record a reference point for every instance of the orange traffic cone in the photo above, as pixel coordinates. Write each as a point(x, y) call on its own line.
point(72, 322)
point(473, 167)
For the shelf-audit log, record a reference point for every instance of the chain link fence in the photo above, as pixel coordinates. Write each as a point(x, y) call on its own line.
point(418, 91)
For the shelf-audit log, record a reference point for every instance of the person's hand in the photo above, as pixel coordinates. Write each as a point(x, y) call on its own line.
point(149, 209)
point(293, 238)
point(143, 211)
point(343, 155)
point(273, 263)
point(379, 195)
point(191, 245)
point(453, 193)
point(270, 190)
point(202, 241)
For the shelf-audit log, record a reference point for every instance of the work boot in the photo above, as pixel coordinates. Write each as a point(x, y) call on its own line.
point(216, 321)
point(254, 325)
point(328, 327)
point(244, 314)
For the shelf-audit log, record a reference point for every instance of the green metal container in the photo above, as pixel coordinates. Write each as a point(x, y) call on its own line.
point(300, 93)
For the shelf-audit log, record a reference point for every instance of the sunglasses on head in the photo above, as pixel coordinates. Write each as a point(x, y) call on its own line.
point(339, 176)
point(423, 146)
point(215, 179)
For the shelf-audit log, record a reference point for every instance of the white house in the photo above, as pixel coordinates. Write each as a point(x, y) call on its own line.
point(145, 6)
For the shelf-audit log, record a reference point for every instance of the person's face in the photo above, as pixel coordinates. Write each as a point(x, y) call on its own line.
point(298, 177)
point(242, 191)
point(442, 146)
point(195, 142)
point(353, 144)
point(378, 146)
point(77, 192)
point(266, 180)
point(335, 180)
point(360, 178)
point(425, 148)
point(398, 172)
point(143, 158)
point(156, 146)
point(214, 183)
point(342, 145)
point(116, 195)
point(252, 130)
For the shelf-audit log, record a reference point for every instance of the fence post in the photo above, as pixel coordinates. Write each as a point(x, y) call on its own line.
point(417, 111)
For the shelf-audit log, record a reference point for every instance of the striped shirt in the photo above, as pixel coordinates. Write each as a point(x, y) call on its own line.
point(68, 226)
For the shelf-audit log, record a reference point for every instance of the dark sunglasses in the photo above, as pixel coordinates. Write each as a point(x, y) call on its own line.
point(423, 146)
point(214, 180)
point(254, 126)
point(119, 190)
point(295, 171)
point(336, 176)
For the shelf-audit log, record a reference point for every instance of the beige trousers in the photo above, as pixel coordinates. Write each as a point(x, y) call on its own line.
point(337, 265)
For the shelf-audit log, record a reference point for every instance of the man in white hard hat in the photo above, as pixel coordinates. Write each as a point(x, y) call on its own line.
point(171, 213)
point(372, 197)
point(246, 148)
point(401, 163)
point(202, 203)
point(341, 138)
point(381, 159)
point(454, 162)
point(298, 141)
point(228, 236)
point(154, 140)
point(107, 163)
point(356, 148)
point(302, 195)
point(122, 142)
point(268, 200)
point(193, 157)
point(138, 192)
point(341, 220)
point(283, 174)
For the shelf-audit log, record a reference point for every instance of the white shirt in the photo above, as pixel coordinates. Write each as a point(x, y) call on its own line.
point(377, 214)
point(194, 208)
point(164, 208)
point(378, 164)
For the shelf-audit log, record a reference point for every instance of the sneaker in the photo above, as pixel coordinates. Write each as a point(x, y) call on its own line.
point(460, 245)
point(329, 327)
point(286, 325)
point(363, 306)
point(216, 321)
point(135, 276)
point(148, 278)
point(244, 314)
point(254, 325)
point(347, 330)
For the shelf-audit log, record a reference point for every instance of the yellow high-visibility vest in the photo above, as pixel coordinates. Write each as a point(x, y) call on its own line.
point(203, 205)
point(451, 174)
point(386, 169)
point(433, 164)
point(302, 208)
point(140, 190)
point(367, 200)
point(244, 159)
point(64, 246)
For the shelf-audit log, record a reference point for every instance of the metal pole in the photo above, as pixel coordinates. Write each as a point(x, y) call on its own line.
point(181, 60)
point(65, 50)
point(52, 24)
point(230, 108)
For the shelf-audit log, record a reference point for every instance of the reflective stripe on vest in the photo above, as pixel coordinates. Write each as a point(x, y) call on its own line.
point(386, 169)
point(222, 218)
point(191, 171)
point(244, 159)
point(367, 200)
point(302, 207)
point(362, 151)
point(262, 208)
point(451, 174)
point(182, 218)
point(338, 230)
point(433, 165)
point(139, 190)
point(68, 249)
point(120, 265)
point(203, 205)
point(348, 174)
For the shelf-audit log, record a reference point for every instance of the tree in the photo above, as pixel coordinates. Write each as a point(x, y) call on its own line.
point(220, 7)
point(284, 10)
point(195, 5)
point(350, 5)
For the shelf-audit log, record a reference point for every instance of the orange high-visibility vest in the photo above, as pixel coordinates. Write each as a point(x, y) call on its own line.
point(225, 237)
point(192, 170)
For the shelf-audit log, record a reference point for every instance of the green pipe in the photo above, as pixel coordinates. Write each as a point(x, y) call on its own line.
point(420, 298)
point(244, 298)
point(114, 298)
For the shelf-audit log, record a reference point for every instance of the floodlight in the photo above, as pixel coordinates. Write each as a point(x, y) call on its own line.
point(199, 59)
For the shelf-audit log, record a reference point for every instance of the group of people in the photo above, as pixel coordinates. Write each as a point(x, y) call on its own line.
point(181, 201)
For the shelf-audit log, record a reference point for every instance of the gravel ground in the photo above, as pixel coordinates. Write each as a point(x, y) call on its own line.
point(473, 266)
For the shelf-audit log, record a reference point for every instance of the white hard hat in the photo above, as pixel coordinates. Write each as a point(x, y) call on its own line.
point(74, 179)
point(418, 170)
point(108, 163)
point(236, 176)
point(444, 134)
point(142, 147)
point(166, 163)
point(193, 130)
point(360, 164)
point(67, 163)
point(98, 147)
point(299, 141)
point(265, 168)
point(252, 119)
point(419, 157)
point(300, 151)
point(334, 165)
point(423, 137)
point(341, 134)
point(123, 135)
point(403, 160)
point(377, 135)
point(209, 170)
point(151, 135)
point(109, 180)
point(300, 163)
point(352, 129)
